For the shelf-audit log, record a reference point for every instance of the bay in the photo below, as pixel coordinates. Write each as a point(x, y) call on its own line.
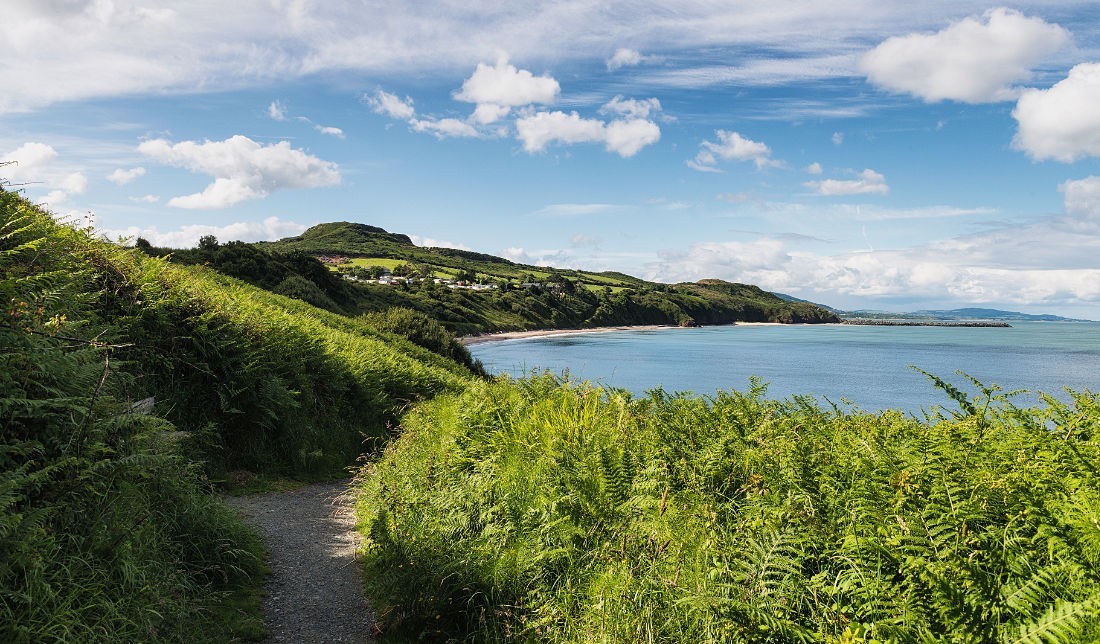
point(865, 365)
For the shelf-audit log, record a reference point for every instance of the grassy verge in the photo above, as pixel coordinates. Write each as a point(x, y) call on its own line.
point(542, 511)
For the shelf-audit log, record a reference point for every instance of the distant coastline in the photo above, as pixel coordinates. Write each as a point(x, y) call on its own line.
point(909, 322)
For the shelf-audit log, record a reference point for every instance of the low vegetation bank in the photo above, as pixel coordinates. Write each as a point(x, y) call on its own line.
point(546, 511)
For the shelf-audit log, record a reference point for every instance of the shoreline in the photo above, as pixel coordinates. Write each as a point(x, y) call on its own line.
point(468, 340)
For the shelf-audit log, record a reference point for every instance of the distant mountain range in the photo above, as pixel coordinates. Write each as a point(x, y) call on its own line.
point(969, 313)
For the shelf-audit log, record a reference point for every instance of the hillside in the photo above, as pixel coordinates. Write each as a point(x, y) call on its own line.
point(470, 292)
point(129, 388)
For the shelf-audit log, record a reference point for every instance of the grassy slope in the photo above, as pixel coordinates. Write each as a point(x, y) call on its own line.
point(107, 519)
point(534, 511)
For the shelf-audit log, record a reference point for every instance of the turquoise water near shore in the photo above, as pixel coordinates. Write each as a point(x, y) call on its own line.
point(867, 365)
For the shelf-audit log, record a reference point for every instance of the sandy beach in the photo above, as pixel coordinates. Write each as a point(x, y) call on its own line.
point(517, 335)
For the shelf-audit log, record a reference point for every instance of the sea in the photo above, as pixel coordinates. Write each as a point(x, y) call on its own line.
point(867, 367)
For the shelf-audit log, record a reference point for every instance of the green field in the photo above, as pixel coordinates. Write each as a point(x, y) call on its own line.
point(366, 262)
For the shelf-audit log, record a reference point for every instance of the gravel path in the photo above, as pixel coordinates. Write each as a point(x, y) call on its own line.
point(314, 593)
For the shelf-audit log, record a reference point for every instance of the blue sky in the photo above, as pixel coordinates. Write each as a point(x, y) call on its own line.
point(860, 154)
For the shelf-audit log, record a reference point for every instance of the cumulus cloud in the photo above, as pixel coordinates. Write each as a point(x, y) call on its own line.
point(624, 137)
point(869, 182)
point(631, 108)
point(188, 236)
point(33, 163)
point(122, 176)
point(627, 137)
point(276, 111)
point(935, 271)
point(498, 88)
point(329, 130)
point(391, 105)
point(145, 199)
point(387, 104)
point(428, 242)
point(516, 254)
point(1082, 198)
point(444, 128)
point(814, 168)
point(838, 138)
point(242, 169)
point(730, 146)
point(975, 60)
point(1004, 265)
point(1062, 122)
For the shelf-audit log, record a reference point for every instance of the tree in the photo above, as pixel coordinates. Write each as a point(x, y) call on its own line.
point(208, 242)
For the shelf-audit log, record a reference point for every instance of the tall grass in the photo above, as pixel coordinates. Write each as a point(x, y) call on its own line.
point(106, 533)
point(547, 511)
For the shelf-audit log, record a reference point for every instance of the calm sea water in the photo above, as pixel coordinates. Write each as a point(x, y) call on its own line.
point(867, 365)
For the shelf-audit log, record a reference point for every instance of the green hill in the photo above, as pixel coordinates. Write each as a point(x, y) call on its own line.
point(515, 297)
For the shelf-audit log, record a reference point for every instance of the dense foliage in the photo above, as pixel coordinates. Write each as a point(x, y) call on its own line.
point(106, 533)
point(537, 510)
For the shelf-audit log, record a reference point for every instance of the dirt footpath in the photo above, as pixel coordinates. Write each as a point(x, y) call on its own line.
point(314, 592)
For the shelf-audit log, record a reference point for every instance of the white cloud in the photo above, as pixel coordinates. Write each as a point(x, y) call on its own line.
point(939, 271)
point(869, 182)
point(624, 137)
point(444, 128)
point(242, 169)
point(276, 111)
point(127, 47)
point(627, 138)
point(75, 183)
point(972, 61)
point(1062, 122)
point(391, 105)
point(624, 57)
point(501, 87)
point(1082, 197)
point(28, 160)
point(515, 253)
point(329, 130)
point(730, 146)
point(145, 199)
point(122, 176)
point(838, 138)
point(486, 113)
point(631, 108)
point(188, 236)
point(543, 128)
point(33, 163)
point(814, 168)
point(1001, 266)
point(428, 242)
